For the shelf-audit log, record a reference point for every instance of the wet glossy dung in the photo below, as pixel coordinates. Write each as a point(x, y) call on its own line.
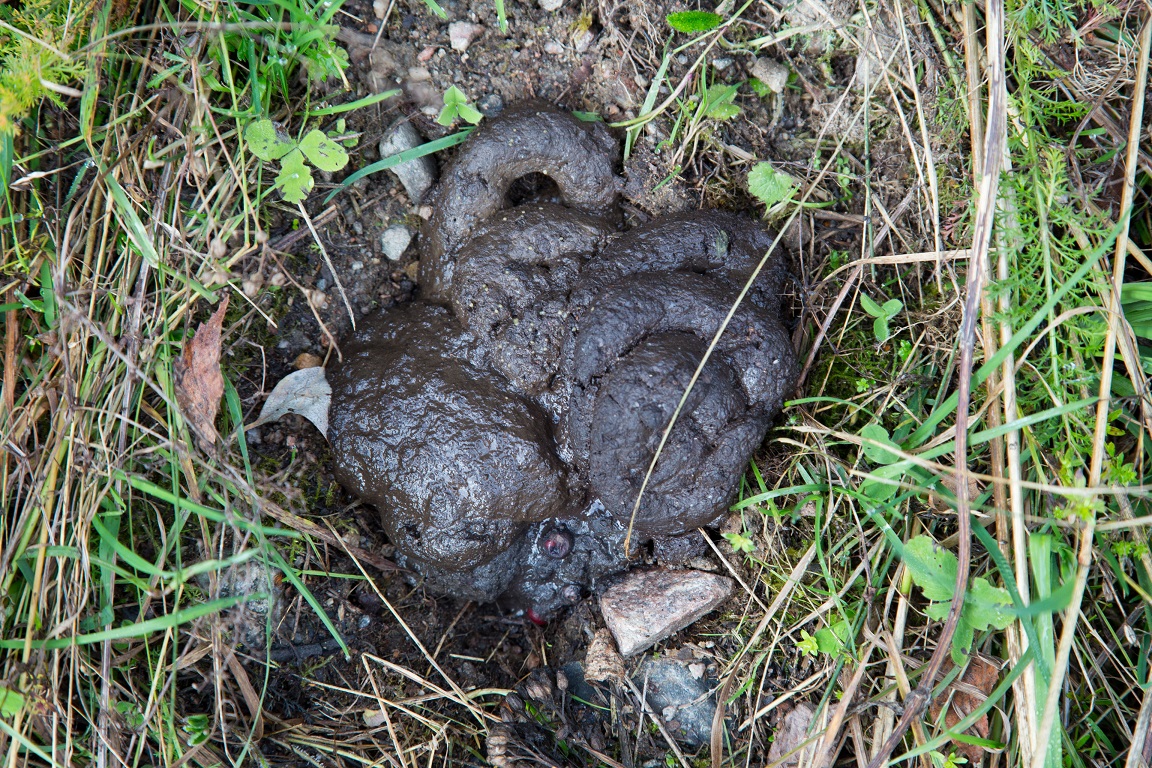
point(503, 424)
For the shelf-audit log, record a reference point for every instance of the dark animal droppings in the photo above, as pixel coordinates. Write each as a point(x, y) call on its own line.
point(503, 424)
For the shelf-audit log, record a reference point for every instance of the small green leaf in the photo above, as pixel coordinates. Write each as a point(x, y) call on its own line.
point(265, 141)
point(808, 645)
point(933, 568)
point(720, 98)
point(740, 542)
point(891, 307)
point(768, 185)
point(871, 307)
point(831, 640)
point(691, 22)
point(454, 96)
point(11, 702)
point(874, 433)
point(324, 153)
point(469, 114)
point(987, 606)
point(294, 180)
point(880, 329)
point(875, 488)
point(587, 117)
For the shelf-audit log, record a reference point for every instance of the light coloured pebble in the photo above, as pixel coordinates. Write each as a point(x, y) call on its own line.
point(722, 63)
point(583, 41)
point(417, 175)
point(772, 73)
point(554, 48)
point(462, 33)
point(419, 74)
point(647, 606)
point(395, 241)
point(550, 5)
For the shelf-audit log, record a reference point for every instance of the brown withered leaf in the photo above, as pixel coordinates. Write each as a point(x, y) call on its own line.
point(966, 694)
point(199, 384)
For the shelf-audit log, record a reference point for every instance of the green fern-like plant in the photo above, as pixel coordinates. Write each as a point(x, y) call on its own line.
point(37, 62)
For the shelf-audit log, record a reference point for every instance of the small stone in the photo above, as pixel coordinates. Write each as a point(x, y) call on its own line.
point(419, 74)
point(462, 33)
point(648, 606)
point(491, 105)
point(358, 227)
point(682, 699)
point(583, 41)
point(426, 54)
point(602, 662)
point(412, 270)
point(307, 360)
point(696, 670)
point(550, 5)
point(322, 284)
point(395, 241)
point(417, 175)
point(356, 266)
point(553, 48)
point(772, 73)
point(722, 64)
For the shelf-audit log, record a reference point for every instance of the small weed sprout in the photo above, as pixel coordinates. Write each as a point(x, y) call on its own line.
point(456, 106)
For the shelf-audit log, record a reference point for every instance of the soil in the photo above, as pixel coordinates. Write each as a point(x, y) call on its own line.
point(591, 57)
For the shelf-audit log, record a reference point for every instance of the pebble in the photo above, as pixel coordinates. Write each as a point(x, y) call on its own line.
point(583, 41)
point(554, 48)
point(648, 606)
point(491, 105)
point(772, 73)
point(395, 241)
point(722, 64)
point(550, 5)
point(602, 663)
point(426, 54)
point(307, 360)
point(681, 698)
point(417, 175)
point(419, 74)
point(357, 266)
point(462, 33)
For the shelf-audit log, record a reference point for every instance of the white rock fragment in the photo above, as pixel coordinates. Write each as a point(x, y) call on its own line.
point(772, 73)
point(553, 48)
point(648, 606)
point(417, 175)
point(550, 5)
point(395, 241)
point(462, 33)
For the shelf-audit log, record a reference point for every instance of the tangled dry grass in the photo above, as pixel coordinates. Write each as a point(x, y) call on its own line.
point(145, 575)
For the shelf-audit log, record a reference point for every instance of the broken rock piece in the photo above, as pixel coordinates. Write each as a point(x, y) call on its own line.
point(416, 175)
point(648, 606)
point(683, 701)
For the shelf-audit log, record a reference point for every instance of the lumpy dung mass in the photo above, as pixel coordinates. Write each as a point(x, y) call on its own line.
point(504, 422)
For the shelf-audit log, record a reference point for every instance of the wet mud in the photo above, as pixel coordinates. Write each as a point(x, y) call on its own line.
point(503, 423)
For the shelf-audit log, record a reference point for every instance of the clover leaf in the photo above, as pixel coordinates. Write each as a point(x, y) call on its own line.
point(322, 152)
point(295, 179)
point(266, 142)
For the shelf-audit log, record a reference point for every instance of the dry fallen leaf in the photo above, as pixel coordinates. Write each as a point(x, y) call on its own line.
point(305, 392)
point(790, 735)
point(966, 694)
point(199, 384)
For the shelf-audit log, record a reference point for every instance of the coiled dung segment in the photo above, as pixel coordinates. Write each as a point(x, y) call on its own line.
point(505, 437)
